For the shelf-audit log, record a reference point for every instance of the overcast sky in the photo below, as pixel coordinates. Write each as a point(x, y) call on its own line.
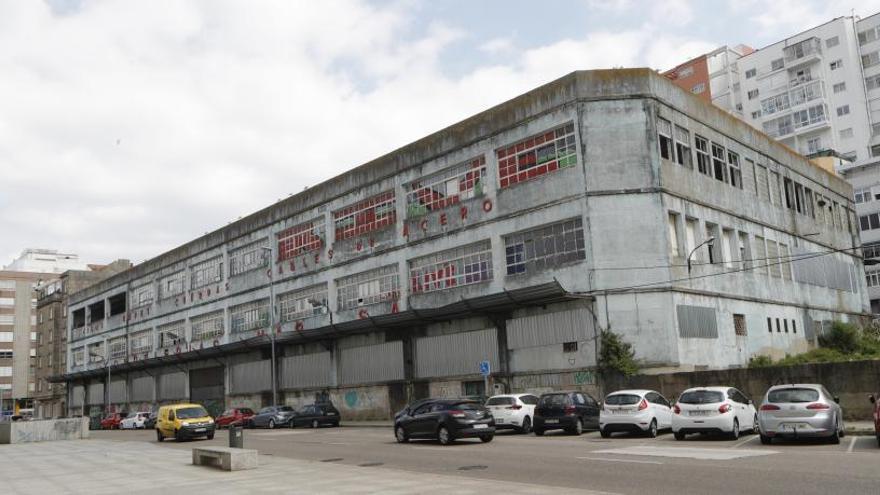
point(129, 128)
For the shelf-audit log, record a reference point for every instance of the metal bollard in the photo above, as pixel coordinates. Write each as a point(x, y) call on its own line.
point(236, 437)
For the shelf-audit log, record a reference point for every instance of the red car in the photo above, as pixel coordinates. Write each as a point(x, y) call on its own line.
point(875, 405)
point(111, 422)
point(236, 416)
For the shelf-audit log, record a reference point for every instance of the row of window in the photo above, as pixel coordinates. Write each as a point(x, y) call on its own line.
point(784, 327)
point(724, 165)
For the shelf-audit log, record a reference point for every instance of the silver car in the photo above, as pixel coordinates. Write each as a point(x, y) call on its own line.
point(799, 411)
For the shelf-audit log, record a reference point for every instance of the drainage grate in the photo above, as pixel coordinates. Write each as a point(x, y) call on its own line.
point(332, 459)
point(472, 468)
point(371, 464)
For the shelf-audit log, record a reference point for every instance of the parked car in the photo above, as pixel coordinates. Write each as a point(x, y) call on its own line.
point(184, 421)
point(635, 411)
point(316, 415)
point(271, 417)
point(447, 420)
point(111, 422)
point(798, 411)
point(713, 410)
point(135, 420)
point(237, 416)
point(573, 412)
point(513, 411)
point(150, 422)
point(875, 407)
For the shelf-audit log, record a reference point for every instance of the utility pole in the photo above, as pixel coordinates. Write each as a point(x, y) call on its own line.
point(272, 325)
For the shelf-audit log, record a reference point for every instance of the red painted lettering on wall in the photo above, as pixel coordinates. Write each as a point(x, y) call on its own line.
point(443, 219)
point(330, 253)
point(372, 242)
point(394, 308)
point(487, 205)
point(317, 258)
point(362, 314)
point(424, 225)
point(299, 325)
point(463, 212)
point(359, 246)
point(406, 230)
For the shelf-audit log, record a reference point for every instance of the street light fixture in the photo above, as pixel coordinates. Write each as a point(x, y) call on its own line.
point(708, 241)
point(272, 325)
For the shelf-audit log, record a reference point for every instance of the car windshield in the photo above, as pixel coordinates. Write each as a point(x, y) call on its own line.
point(466, 406)
point(501, 401)
point(552, 400)
point(793, 395)
point(246, 411)
point(701, 397)
point(622, 399)
point(132, 415)
point(191, 412)
point(285, 408)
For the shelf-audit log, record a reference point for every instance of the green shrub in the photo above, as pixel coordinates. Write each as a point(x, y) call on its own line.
point(843, 337)
point(760, 361)
point(616, 355)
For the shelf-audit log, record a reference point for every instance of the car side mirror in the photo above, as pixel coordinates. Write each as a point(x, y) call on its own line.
point(872, 398)
point(751, 403)
point(837, 400)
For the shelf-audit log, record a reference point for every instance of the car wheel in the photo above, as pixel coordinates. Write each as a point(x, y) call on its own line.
point(526, 425)
point(756, 427)
point(878, 440)
point(177, 437)
point(735, 433)
point(578, 427)
point(842, 430)
point(765, 440)
point(652, 430)
point(444, 436)
point(315, 423)
point(539, 432)
point(211, 436)
point(271, 424)
point(290, 424)
point(159, 436)
point(400, 435)
point(486, 438)
point(835, 438)
point(678, 435)
point(604, 433)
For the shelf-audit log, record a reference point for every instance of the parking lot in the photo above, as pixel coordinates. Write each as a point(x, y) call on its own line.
point(621, 464)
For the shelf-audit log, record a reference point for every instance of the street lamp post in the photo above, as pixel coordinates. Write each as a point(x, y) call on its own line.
point(708, 241)
point(272, 325)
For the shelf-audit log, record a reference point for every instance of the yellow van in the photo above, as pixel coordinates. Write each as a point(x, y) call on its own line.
point(182, 421)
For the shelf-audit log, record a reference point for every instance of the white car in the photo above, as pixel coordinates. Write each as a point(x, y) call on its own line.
point(515, 411)
point(723, 410)
point(134, 421)
point(635, 411)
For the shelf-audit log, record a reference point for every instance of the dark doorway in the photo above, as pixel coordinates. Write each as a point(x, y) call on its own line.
point(206, 387)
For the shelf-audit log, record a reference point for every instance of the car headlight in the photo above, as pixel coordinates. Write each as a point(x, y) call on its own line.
point(210, 421)
point(184, 423)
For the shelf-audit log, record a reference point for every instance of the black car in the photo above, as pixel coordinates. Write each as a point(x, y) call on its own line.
point(271, 417)
point(316, 415)
point(573, 412)
point(150, 422)
point(447, 420)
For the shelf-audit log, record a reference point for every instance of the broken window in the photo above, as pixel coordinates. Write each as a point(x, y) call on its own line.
point(303, 303)
point(250, 257)
point(683, 147)
point(207, 272)
point(365, 288)
point(140, 342)
point(118, 348)
point(545, 247)
point(208, 326)
point(249, 316)
point(537, 156)
point(734, 172)
point(702, 145)
point(172, 285)
point(718, 164)
point(300, 239)
point(141, 296)
point(446, 188)
point(664, 130)
point(466, 265)
point(365, 216)
point(171, 335)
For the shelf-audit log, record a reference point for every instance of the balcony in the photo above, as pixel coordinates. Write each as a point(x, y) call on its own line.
point(807, 51)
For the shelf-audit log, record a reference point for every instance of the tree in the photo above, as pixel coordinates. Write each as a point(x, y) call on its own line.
point(616, 355)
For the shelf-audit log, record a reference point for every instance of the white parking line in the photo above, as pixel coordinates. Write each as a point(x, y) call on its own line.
point(688, 452)
point(852, 445)
point(619, 460)
point(747, 440)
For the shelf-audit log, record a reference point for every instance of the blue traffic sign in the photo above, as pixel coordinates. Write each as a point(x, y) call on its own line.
point(485, 368)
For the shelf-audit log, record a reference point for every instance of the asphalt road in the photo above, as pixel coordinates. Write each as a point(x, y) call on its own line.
point(621, 464)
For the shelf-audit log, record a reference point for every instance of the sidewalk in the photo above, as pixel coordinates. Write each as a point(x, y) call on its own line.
point(106, 467)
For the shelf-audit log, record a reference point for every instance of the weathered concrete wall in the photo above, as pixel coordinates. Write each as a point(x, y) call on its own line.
point(48, 430)
point(852, 382)
point(362, 403)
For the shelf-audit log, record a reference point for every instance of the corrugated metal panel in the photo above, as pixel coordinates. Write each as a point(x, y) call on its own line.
point(307, 371)
point(77, 396)
point(117, 391)
point(251, 377)
point(172, 386)
point(456, 354)
point(142, 389)
point(550, 328)
point(371, 363)
point(96, 394)
point(697, 322)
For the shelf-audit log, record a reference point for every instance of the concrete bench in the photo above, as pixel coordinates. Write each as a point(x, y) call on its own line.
point(226, 458)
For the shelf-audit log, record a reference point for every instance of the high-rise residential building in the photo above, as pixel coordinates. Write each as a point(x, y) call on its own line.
point(818, 92)
point(713, 77)
point(50, 394)
point(18, 337)
point(604, 200)
point(46, 261)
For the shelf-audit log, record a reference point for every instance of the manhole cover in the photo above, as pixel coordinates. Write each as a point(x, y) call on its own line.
point(332, 459)
point(472, 468)
point(371, 464)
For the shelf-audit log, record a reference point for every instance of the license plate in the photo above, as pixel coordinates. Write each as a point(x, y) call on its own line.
point(552, 421)
point(199, 430)
point(331, 414)
point(499, 421)
point(622, 411)
point(481, 426)
point(699, 413)
point(793, 426)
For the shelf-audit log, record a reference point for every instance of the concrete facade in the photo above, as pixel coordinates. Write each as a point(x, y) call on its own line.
point(513, 237)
